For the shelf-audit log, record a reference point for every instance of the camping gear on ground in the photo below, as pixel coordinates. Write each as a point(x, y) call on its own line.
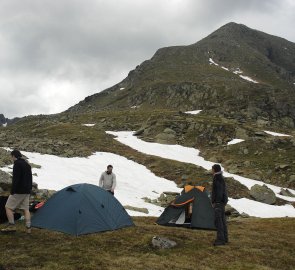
point(3, 217)
point(191, 209)
point(35, 205)
point(82, 209)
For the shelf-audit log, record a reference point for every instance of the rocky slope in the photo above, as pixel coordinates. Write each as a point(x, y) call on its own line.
point(182, 78)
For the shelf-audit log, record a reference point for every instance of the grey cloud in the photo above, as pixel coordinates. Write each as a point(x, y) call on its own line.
point(54, 53)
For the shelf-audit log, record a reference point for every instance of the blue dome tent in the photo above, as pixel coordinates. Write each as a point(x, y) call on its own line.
point(82, 209)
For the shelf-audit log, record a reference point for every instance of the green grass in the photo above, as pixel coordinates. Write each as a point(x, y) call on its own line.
point(254, 244)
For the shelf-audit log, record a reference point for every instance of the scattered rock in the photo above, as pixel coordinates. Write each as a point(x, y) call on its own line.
point(286, 192)
point(230, 211)
point(136, 209)
point(163, 242)
point(263, 194)
point(5, 178)
point(171, 193)
point(292, 178)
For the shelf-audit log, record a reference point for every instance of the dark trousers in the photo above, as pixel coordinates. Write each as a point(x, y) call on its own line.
point(220, 223)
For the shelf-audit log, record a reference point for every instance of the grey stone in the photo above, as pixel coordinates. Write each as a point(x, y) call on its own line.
point(171, 193)
point(5, 178)
point(286, 192)
point(163, 242)
point(136, 209)
point(292, 178)
point(262, 194)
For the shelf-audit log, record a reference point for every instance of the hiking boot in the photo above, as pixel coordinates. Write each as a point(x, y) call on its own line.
point(28, 230)
point(218, 243)
point(10, 228)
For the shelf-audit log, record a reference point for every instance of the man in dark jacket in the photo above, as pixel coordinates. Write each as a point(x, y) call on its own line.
point(20, 192)
point(219, 200)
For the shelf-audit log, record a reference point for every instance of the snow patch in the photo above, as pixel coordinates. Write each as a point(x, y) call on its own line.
point(135, 181)
point(122, 88)
point(212, 62)
point(235, 141)
point(188, 155)
point(88, 125)
point(193, 112)
point(247, 78)
point(277, 134)
point(257, 209)
point(4, 125)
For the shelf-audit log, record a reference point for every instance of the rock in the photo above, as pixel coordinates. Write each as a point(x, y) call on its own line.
point(282, 167)
point(5, 178)
point(169, 131)
point(260, 134)
point(139, 132)
point(247, 163)
point(136, 209)
point(241, 133)
point(165, 138)
point(163, 242)
point(1, 190)
point(263, 194)
point(171, 193)
point(292, 178)
point(230, 211)
point(244, 215)
point(246, 151)
point(286, 192)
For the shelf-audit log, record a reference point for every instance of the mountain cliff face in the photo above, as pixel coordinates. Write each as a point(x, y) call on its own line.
point(235, 72)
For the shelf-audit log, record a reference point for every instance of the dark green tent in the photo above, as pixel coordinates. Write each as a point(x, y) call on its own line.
point(191, 209)
point(82, 209)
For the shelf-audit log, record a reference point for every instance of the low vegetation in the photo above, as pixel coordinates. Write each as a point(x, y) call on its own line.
point(254, 244)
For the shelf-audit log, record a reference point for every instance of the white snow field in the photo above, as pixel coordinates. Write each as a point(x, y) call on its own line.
point(191, 155)
point(193, 112)
point(277, 134)
point(135, 181)
point(235, 141)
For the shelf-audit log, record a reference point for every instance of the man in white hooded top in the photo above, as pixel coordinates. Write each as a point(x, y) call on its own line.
point(107, 180)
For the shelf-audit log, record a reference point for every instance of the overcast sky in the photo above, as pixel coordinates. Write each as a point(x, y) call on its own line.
point(55, 53)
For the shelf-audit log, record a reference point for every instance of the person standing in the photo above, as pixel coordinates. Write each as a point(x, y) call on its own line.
point(108, 180)
point(219, 200)
point(20, 192)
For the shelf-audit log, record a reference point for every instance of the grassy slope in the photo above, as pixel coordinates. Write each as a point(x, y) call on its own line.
point(254, 244)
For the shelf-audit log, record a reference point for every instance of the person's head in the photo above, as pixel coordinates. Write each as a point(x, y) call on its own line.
point(216, 168)
point(109, 168)
point(15, 154)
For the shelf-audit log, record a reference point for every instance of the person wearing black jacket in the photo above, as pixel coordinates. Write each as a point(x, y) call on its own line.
point(219, 200)
point(20, 191)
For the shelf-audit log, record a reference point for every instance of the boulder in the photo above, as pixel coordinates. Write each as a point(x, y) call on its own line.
point(165, 138)
point(263, 194)
point(230, 211)
point(5, 178)
point(136, 209)
point(163, 242)
point(171, 193)
point(286, 192)
point(292, 178)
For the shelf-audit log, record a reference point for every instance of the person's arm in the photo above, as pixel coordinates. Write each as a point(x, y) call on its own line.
point(16, 177)
point(101, 180)
point(114, 182)
point(213, 193)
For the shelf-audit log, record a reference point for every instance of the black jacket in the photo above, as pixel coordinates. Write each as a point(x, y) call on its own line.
point(219, 190)
point(22, 177)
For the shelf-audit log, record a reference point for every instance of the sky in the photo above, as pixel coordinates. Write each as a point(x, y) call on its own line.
point(55, 53)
